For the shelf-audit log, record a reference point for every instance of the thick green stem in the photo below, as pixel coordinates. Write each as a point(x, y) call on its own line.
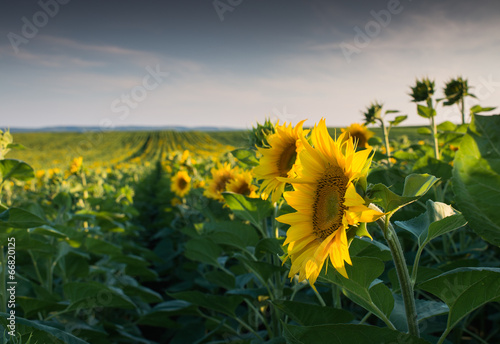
point(403, 274)
point(433, 129)
point(386, 142)
point(462, 109)
point(435, 138)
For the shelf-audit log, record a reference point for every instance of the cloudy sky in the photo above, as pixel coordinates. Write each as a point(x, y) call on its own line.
point(230, 63)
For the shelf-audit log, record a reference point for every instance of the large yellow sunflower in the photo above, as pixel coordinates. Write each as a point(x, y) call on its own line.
point(220, 177)
point(327, 204)
point(242, 184)
point(280, 160)
point(360, 133)
point(180, 183)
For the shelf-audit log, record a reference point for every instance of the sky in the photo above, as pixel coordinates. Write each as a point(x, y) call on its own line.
point(232, 63)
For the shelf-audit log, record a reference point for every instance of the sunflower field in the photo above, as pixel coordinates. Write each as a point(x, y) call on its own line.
point(304, 233)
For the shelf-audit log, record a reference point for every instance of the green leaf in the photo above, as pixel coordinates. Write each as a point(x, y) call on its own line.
point(438, 219)
point(398, 120)
point(346, 333)
point(424, 273)
point(425, 310)
point(390, 202)
point(231, 233)
point(262, 269)
point(221, 278)
point(144, 293)
point(20, 218)
point(364, 247)
point(269, 245)
point(40, 332)
point(15, 169)
point(16, 146)
point(31, 306)
point(203, 251)
point(428, 164)
point(100, 246)
point(88, 295)
point(416, 185)
point(446, 126)
point(478, 108)
point(161, 314)
point(464, 290)
point(254, 210)
point(246, 156)
point(425, 111)
point(476, 177)
point(307, 314)
point(48, 231)
point(424, 131)
point(361, 286)
point(225, 304)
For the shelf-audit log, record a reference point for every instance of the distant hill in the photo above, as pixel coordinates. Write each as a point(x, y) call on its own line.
point(123, 128)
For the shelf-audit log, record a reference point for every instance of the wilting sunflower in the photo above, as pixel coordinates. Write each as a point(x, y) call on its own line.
point(327, 204)
point(220, 177)
point(280, 160)
point(360, 133)
point(180, 183)
point(242, 184)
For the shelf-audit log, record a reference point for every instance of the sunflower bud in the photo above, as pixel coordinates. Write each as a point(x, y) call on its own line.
point(423, 90)
point(373, 112)
point(455, 90)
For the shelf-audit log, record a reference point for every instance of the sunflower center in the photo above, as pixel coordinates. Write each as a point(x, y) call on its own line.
point(287, 159)
point(242, 189)
point(328, 205)
point(361, 137)
point(181, 183)
point(220, 183)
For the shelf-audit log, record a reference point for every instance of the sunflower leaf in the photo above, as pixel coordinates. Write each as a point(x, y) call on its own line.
point(225, 304)
point(246, 156)
point(254, 210)
point(476, 177)
point(382, 196)
point(307, 314)
point(346, 333)
point(464, 290)
point(439, 219)
point(204, 251)
point(398, 120)
point(360, 286)
point(15, 169)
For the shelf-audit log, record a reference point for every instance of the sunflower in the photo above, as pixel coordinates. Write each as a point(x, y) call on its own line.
point(76, 164)
point(327, 204)
point(360, 133)
point(242, 184)
point(180, 183)
point(280, 160)
point(220, 177)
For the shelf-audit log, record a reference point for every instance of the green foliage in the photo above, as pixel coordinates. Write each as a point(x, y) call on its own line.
point(108, 253)
point(476, 177)
point(346, 333)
